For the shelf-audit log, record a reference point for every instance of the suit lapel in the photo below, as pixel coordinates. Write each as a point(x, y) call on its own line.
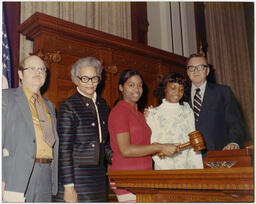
point(22, 102)
point(208, 98)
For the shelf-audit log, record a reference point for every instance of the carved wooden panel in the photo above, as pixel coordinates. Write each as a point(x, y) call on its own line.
point(61, 43)
point(193, 185)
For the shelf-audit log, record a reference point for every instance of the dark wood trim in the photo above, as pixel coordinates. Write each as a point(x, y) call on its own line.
point(139, 22)
point(12, 17)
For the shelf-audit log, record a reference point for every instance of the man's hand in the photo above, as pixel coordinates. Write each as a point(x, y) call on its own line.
point(70, 194)
point(231, 146)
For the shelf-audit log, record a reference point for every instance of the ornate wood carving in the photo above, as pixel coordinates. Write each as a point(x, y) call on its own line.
point(232, 158)
point(49, 58)
point(113, 69)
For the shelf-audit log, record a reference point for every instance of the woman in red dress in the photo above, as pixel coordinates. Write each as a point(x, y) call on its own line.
point(130, 134)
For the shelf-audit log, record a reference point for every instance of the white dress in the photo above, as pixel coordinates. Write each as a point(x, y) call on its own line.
point(171, 123)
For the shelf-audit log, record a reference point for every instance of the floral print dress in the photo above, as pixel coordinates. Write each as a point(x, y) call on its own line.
point(171, 123)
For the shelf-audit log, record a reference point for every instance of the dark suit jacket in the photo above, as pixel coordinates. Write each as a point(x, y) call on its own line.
point(19, 141)
point(79, 135)
point(220, 120)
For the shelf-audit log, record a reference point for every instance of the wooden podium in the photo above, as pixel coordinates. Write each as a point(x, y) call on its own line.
point(195, 185)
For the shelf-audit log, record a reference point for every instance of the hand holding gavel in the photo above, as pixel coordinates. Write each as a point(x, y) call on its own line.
point(195, 140)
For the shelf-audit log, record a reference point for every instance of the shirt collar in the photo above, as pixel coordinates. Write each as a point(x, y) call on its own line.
point(29, 93)
point(202, 87)
point(128, 105)
point(93, 98)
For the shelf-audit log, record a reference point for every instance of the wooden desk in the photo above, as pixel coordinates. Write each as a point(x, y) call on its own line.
point(196, 185)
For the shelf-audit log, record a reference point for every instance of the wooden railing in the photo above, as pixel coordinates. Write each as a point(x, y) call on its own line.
point(222, 184)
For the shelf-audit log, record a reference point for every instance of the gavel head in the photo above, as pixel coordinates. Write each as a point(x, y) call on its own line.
point(196, 140)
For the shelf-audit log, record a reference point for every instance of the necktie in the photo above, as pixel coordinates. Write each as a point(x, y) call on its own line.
point(44, 122)
point(197, 104)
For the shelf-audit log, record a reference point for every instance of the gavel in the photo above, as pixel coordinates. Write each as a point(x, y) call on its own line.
point(195, 140)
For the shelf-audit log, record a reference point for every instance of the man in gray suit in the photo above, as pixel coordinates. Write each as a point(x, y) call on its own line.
point(30, 141)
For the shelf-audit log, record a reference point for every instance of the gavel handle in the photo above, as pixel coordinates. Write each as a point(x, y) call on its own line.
point(181, 146)
point(187, 144)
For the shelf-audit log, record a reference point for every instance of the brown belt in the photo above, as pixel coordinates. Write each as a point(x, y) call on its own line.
point(45, 161)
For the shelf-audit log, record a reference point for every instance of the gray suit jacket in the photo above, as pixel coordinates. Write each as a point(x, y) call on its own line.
point(19, 142)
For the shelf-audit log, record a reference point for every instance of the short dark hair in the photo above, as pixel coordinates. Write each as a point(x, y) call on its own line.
point(172, 77)
point(196, 55)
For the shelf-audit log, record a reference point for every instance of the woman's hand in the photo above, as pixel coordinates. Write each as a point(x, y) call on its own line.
point(169, 150)
point(70, 195)
point(146, 111)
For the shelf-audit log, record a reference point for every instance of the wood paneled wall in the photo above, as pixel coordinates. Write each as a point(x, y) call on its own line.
point(61, 43)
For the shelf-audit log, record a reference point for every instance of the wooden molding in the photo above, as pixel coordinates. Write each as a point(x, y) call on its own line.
point(40, 23)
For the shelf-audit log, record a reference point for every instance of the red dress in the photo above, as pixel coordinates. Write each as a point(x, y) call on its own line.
point(122, 119)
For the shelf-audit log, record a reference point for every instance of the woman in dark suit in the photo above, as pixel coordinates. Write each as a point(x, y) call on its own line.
point(84, 143)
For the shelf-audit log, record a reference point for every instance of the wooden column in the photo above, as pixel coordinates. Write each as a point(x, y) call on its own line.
point(139, 22)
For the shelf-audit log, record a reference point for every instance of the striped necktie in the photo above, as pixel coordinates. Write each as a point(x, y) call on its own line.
point(44, 122)
point(197, 104)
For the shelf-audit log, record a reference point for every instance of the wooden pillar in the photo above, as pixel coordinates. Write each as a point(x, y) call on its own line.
point(200, 28)
point(139, 22)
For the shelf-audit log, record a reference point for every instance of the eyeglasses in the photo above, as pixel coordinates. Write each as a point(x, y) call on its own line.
point(34, 69)
point(85, 79)
point(199, 67)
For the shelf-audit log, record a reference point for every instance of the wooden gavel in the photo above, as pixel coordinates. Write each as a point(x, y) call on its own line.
point(195, 140)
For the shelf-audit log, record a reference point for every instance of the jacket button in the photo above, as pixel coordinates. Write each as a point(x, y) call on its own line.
point(103, 122)
point(93, 124)
point(87, 104)
point(93, 145)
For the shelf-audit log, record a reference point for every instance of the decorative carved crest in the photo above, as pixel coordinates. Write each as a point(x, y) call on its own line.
point(48, 58)
point(113, 69)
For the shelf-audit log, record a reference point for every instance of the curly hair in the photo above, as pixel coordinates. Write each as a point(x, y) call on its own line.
point(85, 62)
point(172, 77)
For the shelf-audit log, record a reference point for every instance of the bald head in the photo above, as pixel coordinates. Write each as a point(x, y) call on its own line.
point(29, 59)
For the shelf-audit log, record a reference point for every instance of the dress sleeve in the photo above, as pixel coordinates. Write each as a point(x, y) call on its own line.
point(119, 121)
point(191, 120)
point(66, 131)
point(151, 121)
point(233, 117)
